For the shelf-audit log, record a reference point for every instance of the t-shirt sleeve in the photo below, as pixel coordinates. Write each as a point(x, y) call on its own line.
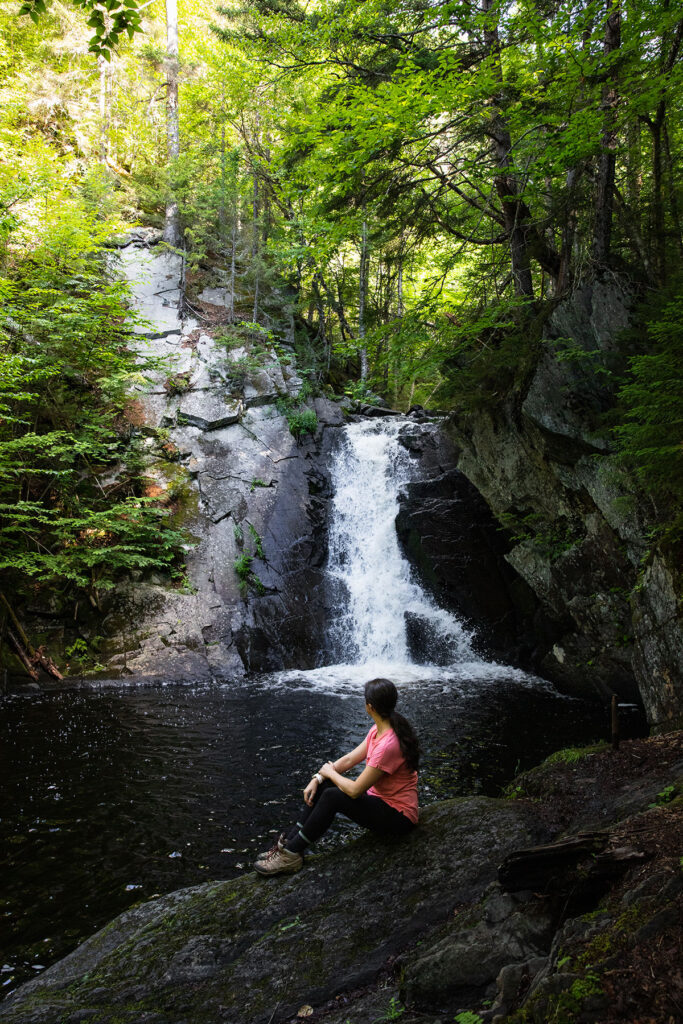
point(386, 754)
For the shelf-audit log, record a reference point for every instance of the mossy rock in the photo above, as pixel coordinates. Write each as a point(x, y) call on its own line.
point(237, 950)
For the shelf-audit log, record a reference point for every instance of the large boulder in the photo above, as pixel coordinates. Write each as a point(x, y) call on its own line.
point(428, 909)
point(246, 950)
point(457, 550)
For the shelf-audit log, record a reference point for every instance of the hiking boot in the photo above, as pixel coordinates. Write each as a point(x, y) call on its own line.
point(279, 862)
point(277, 845)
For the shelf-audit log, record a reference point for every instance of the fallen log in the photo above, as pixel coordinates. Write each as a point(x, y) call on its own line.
point(21, 654)
point(580, 860)
point(43, 659)
point(30, 656)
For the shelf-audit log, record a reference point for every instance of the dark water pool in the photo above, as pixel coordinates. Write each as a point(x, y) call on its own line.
point(111, 795)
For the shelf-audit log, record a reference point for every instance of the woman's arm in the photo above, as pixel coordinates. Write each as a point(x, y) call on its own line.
point(341, 765)
point(354, 757)
point(352, 787)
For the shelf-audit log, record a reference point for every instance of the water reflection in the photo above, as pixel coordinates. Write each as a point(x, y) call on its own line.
point(112, 795)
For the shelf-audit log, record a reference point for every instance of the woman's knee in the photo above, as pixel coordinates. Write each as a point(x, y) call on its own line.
point(331, 799)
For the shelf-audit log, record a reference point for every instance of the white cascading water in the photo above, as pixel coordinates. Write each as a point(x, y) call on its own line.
point(374, 588)
point(374, 580)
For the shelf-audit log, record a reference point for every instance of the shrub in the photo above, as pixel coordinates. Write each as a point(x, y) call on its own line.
point(302, 422)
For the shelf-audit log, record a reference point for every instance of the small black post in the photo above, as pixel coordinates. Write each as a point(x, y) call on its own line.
point(615, 723)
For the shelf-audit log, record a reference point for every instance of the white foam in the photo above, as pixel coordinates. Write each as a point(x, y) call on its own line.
point(349, 680)
point(365, 558)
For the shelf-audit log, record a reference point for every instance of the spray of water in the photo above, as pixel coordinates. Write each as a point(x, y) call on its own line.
point(374, 585)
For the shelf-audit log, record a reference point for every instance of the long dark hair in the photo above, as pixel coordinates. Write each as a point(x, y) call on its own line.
point(382, 695)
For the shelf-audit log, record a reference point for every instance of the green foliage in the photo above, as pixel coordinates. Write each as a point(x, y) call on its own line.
point(358, 390)
point(257, 482)
point(666, 795)
point(240, 370)
point(227, 338)
point(467, 1017)
point(78, 650)
point(108, 19)
point(488, 355)
point(364, 162)
point(301, 422)
point(291, 924)
point(247, 576)
point(243, 563)
point(394, 1010)
point(549, 539)
point(513, 792)
point(178, 383)
point(258, 543)
point(243, 566)
point(650, 431)
point(65, 374)
point(572, 755)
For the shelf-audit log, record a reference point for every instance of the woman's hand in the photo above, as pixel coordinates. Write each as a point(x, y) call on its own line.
point(310, 791)
point(327, 770)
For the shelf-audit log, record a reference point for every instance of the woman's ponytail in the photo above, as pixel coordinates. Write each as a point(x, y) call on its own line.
point(382, 695)
point(407, 739)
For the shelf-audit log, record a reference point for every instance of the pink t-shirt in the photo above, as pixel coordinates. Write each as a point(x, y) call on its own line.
point(398, 786)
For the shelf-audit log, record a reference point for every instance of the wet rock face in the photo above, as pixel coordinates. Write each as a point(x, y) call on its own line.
point(578, 527)
point(457, 549)
point(259, 500)
point(252, 497)
point(286, 626)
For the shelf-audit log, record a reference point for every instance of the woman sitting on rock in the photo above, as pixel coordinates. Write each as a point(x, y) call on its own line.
point(383, 797)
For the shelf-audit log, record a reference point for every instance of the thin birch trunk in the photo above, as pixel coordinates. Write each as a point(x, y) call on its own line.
point(104, 127)
point(255, 212)
point(172, 221)
point(232, 264)
point(222, 208)
point(400, 309)
point(362, 294)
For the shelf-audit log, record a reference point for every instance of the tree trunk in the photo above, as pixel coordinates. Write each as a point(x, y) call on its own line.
point(399, 288)
point(400, 310)
point(255, 241)
point(362, 294)
point(222, 208)
point(673, 200)
point(172, 221)
point(515, 214)
point(515, 211)
point(656, 131)
point(235, 231)
point(232, 265)
point(634, 168)
point(568, 232)
point(319, 306)
point(104, 121)
point(336, 306)
point(604, 194)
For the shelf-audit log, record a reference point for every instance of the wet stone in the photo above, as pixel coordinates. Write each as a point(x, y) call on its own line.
point(208, 411)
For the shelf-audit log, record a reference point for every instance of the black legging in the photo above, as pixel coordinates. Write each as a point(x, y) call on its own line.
point(369, 811)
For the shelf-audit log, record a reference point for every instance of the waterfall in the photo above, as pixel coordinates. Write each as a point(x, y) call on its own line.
point(373, 584)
